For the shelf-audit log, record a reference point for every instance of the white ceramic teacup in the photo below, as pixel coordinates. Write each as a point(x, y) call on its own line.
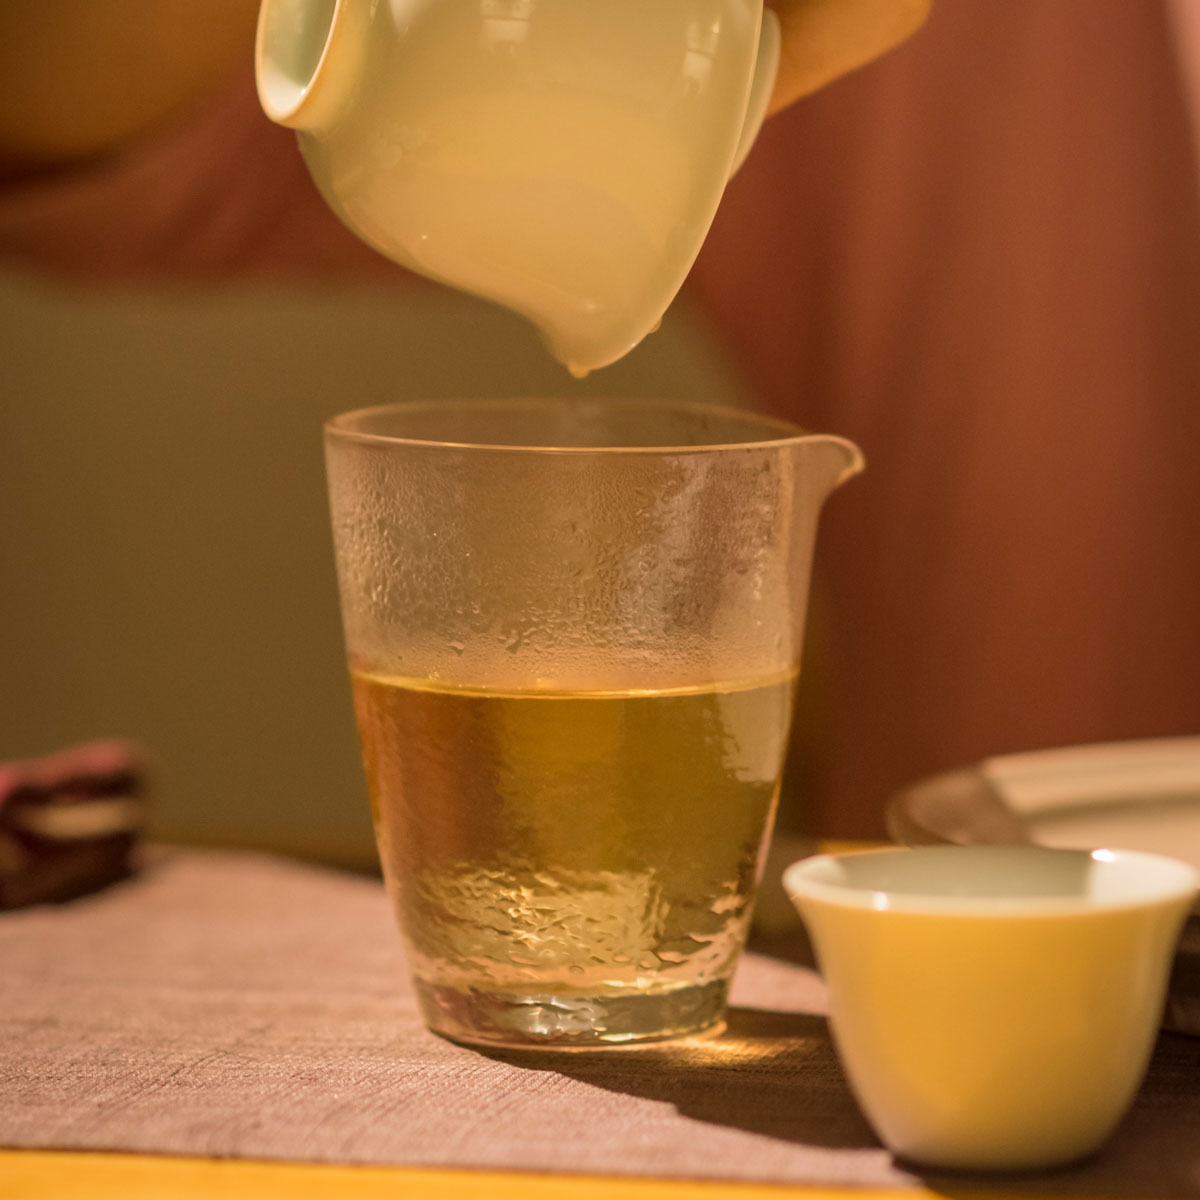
point(564, 158)
point(994, 1008)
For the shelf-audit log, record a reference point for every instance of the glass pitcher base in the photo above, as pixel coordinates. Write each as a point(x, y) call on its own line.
point(568, 1021)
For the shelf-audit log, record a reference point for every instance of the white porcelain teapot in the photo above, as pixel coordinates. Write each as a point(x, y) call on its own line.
point(564, 158)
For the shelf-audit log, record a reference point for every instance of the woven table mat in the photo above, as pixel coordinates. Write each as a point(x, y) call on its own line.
point(237, 1005)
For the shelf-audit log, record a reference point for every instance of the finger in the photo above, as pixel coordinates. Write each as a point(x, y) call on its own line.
point(823, 39)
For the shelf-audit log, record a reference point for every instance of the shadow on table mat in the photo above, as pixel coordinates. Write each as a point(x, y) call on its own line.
point(776, 1074)
point(770, 1073)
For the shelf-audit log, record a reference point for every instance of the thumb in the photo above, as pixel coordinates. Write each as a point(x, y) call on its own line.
point(823, 39)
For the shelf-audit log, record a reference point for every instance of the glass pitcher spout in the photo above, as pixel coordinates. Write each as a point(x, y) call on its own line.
point(832, 461)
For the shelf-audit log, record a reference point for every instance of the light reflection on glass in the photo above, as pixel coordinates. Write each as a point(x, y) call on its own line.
point(506, 22)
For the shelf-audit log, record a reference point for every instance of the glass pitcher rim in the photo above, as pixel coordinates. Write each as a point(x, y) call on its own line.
point(788, 433)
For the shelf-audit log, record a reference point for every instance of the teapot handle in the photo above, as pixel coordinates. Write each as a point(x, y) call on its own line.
point(766, 67)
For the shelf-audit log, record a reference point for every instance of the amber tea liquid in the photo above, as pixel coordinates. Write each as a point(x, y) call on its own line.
point(571, 864)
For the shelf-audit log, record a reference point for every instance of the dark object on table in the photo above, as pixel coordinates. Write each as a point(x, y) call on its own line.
point(69, 821)
point(1142, 795)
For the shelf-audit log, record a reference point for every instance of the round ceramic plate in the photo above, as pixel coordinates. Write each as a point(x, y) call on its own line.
point(1126, 795)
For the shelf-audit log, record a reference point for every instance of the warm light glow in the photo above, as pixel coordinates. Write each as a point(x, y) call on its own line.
point(702, 41)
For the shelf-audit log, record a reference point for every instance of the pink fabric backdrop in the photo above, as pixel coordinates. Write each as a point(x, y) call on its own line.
point(980, 258)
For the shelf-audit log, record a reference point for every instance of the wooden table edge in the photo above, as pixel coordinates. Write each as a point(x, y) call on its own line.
point(102, 1175)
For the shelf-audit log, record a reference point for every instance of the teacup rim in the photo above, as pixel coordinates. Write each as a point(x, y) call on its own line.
point(1166, 881)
